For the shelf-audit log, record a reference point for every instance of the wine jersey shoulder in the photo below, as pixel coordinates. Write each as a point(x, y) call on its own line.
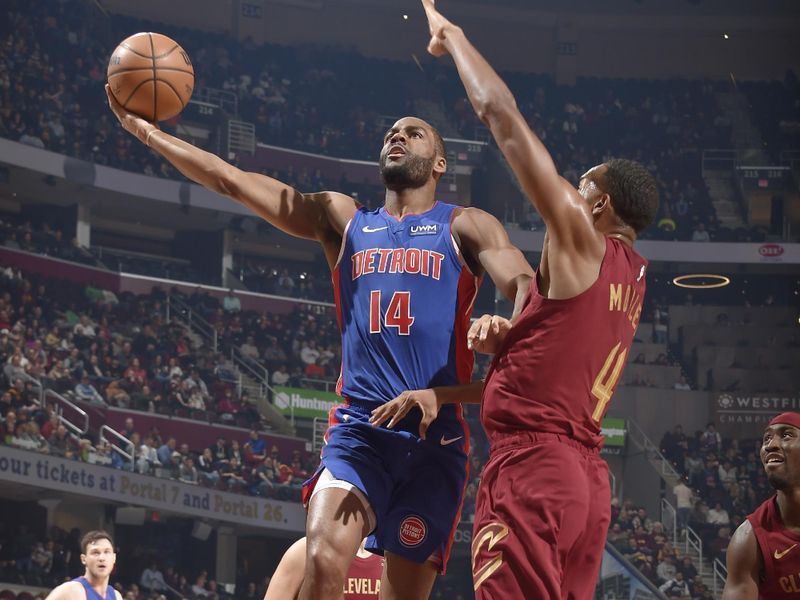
point(780, 552)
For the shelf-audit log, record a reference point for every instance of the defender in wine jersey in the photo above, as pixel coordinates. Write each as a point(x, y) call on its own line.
point(764, 553)
point(543, 503)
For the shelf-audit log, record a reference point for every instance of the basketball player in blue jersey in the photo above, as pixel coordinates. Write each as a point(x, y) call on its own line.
point(405, 278)
point(98, 556)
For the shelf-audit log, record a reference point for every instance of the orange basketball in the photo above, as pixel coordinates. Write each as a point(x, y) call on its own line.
point(151, 75)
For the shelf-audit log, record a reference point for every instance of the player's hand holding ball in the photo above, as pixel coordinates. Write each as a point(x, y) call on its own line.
point(487, 333)
point(150, 79)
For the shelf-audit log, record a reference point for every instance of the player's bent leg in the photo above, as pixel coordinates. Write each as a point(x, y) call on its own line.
point(338, 520)
point(404, 579)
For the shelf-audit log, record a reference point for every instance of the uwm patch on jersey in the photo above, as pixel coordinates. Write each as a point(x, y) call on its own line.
point(404, 297)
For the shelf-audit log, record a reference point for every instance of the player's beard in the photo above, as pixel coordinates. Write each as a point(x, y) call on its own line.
point(410, 173)
point(779, 483)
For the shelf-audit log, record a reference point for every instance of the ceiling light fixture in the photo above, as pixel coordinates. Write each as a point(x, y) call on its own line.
point(701, 281)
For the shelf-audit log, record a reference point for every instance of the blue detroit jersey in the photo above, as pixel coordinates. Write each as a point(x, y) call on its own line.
point(404, 297)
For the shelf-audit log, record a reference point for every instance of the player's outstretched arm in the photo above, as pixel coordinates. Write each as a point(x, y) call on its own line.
point(288, 577)
point(744, 565)
point(563, 210)
point(311, 216)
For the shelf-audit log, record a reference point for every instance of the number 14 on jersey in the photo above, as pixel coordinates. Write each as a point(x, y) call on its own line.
point(398, 313)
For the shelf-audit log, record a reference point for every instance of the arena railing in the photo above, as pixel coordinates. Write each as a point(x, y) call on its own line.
point(177, 308)
point(129, 450)
point(61, 402)
point(654, 452)
point(668, 511)
point(608, 584)
point(720, 577)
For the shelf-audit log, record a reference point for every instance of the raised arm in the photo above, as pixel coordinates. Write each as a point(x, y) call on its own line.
point(318, 216)
point(744, 565)
point(566, 214)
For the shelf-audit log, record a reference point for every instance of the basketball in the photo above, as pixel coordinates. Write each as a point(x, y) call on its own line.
point(151, 75)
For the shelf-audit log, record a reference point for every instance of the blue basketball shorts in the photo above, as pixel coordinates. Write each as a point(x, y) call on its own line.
point(414, 487)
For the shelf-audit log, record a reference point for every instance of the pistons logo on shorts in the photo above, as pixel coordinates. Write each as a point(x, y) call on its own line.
point(412, 531)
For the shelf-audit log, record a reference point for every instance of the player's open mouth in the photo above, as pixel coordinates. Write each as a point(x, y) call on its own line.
point(396, 151)
point(774, 459)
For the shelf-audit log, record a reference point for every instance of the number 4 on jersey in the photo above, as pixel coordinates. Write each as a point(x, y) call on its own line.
point(604, 383)
point(398, 313)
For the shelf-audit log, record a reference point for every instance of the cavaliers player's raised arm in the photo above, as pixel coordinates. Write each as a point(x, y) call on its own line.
point(566, 214)
point(485, 245)
point(311, 216)
point(744, 565)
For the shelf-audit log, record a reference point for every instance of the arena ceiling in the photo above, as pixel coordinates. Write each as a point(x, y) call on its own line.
point(748, 8)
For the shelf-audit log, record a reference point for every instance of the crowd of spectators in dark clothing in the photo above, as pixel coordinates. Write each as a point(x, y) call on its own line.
point(644, 542)
point(725, 480)
point(52, 64)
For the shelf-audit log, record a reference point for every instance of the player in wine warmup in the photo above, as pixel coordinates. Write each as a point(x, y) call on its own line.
point(543, 505)
point(97, 554)
point(764, 553)
point(405, 277)
point(363, 580)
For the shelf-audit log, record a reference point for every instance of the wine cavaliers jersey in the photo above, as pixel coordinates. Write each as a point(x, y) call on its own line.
point(403, 297)
point(560, 364)
point(780, 551)
point(363, 581)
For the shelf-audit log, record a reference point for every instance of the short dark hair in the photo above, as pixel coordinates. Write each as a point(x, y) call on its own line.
point(94, 536)
point(633, 191)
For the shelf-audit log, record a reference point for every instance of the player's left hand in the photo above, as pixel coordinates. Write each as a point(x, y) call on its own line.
point(438, 26)
point(130, 122)
point(398, 408)
point(487, 333)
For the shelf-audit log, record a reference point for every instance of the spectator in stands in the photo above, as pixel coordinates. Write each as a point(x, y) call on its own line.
point(147, 456)
point(231, 302)
point(188, 472)
point(219, 453)
point(676, 587)
point(135, 376)
point(206, 469)
point(684, 499)
point(265, 478)
point(152, 579)
point(718, 515)
point(682, 384)
point(249, 349)
point(666, 569)
point(193, 381)
point(687, 568)
point(164, 453)
point(199, 587)
point(711, 439)
point(87, 392)
point(700, 234)
point(60, 443)
point(255, 449)
point(231, 473)
point(280, 376)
